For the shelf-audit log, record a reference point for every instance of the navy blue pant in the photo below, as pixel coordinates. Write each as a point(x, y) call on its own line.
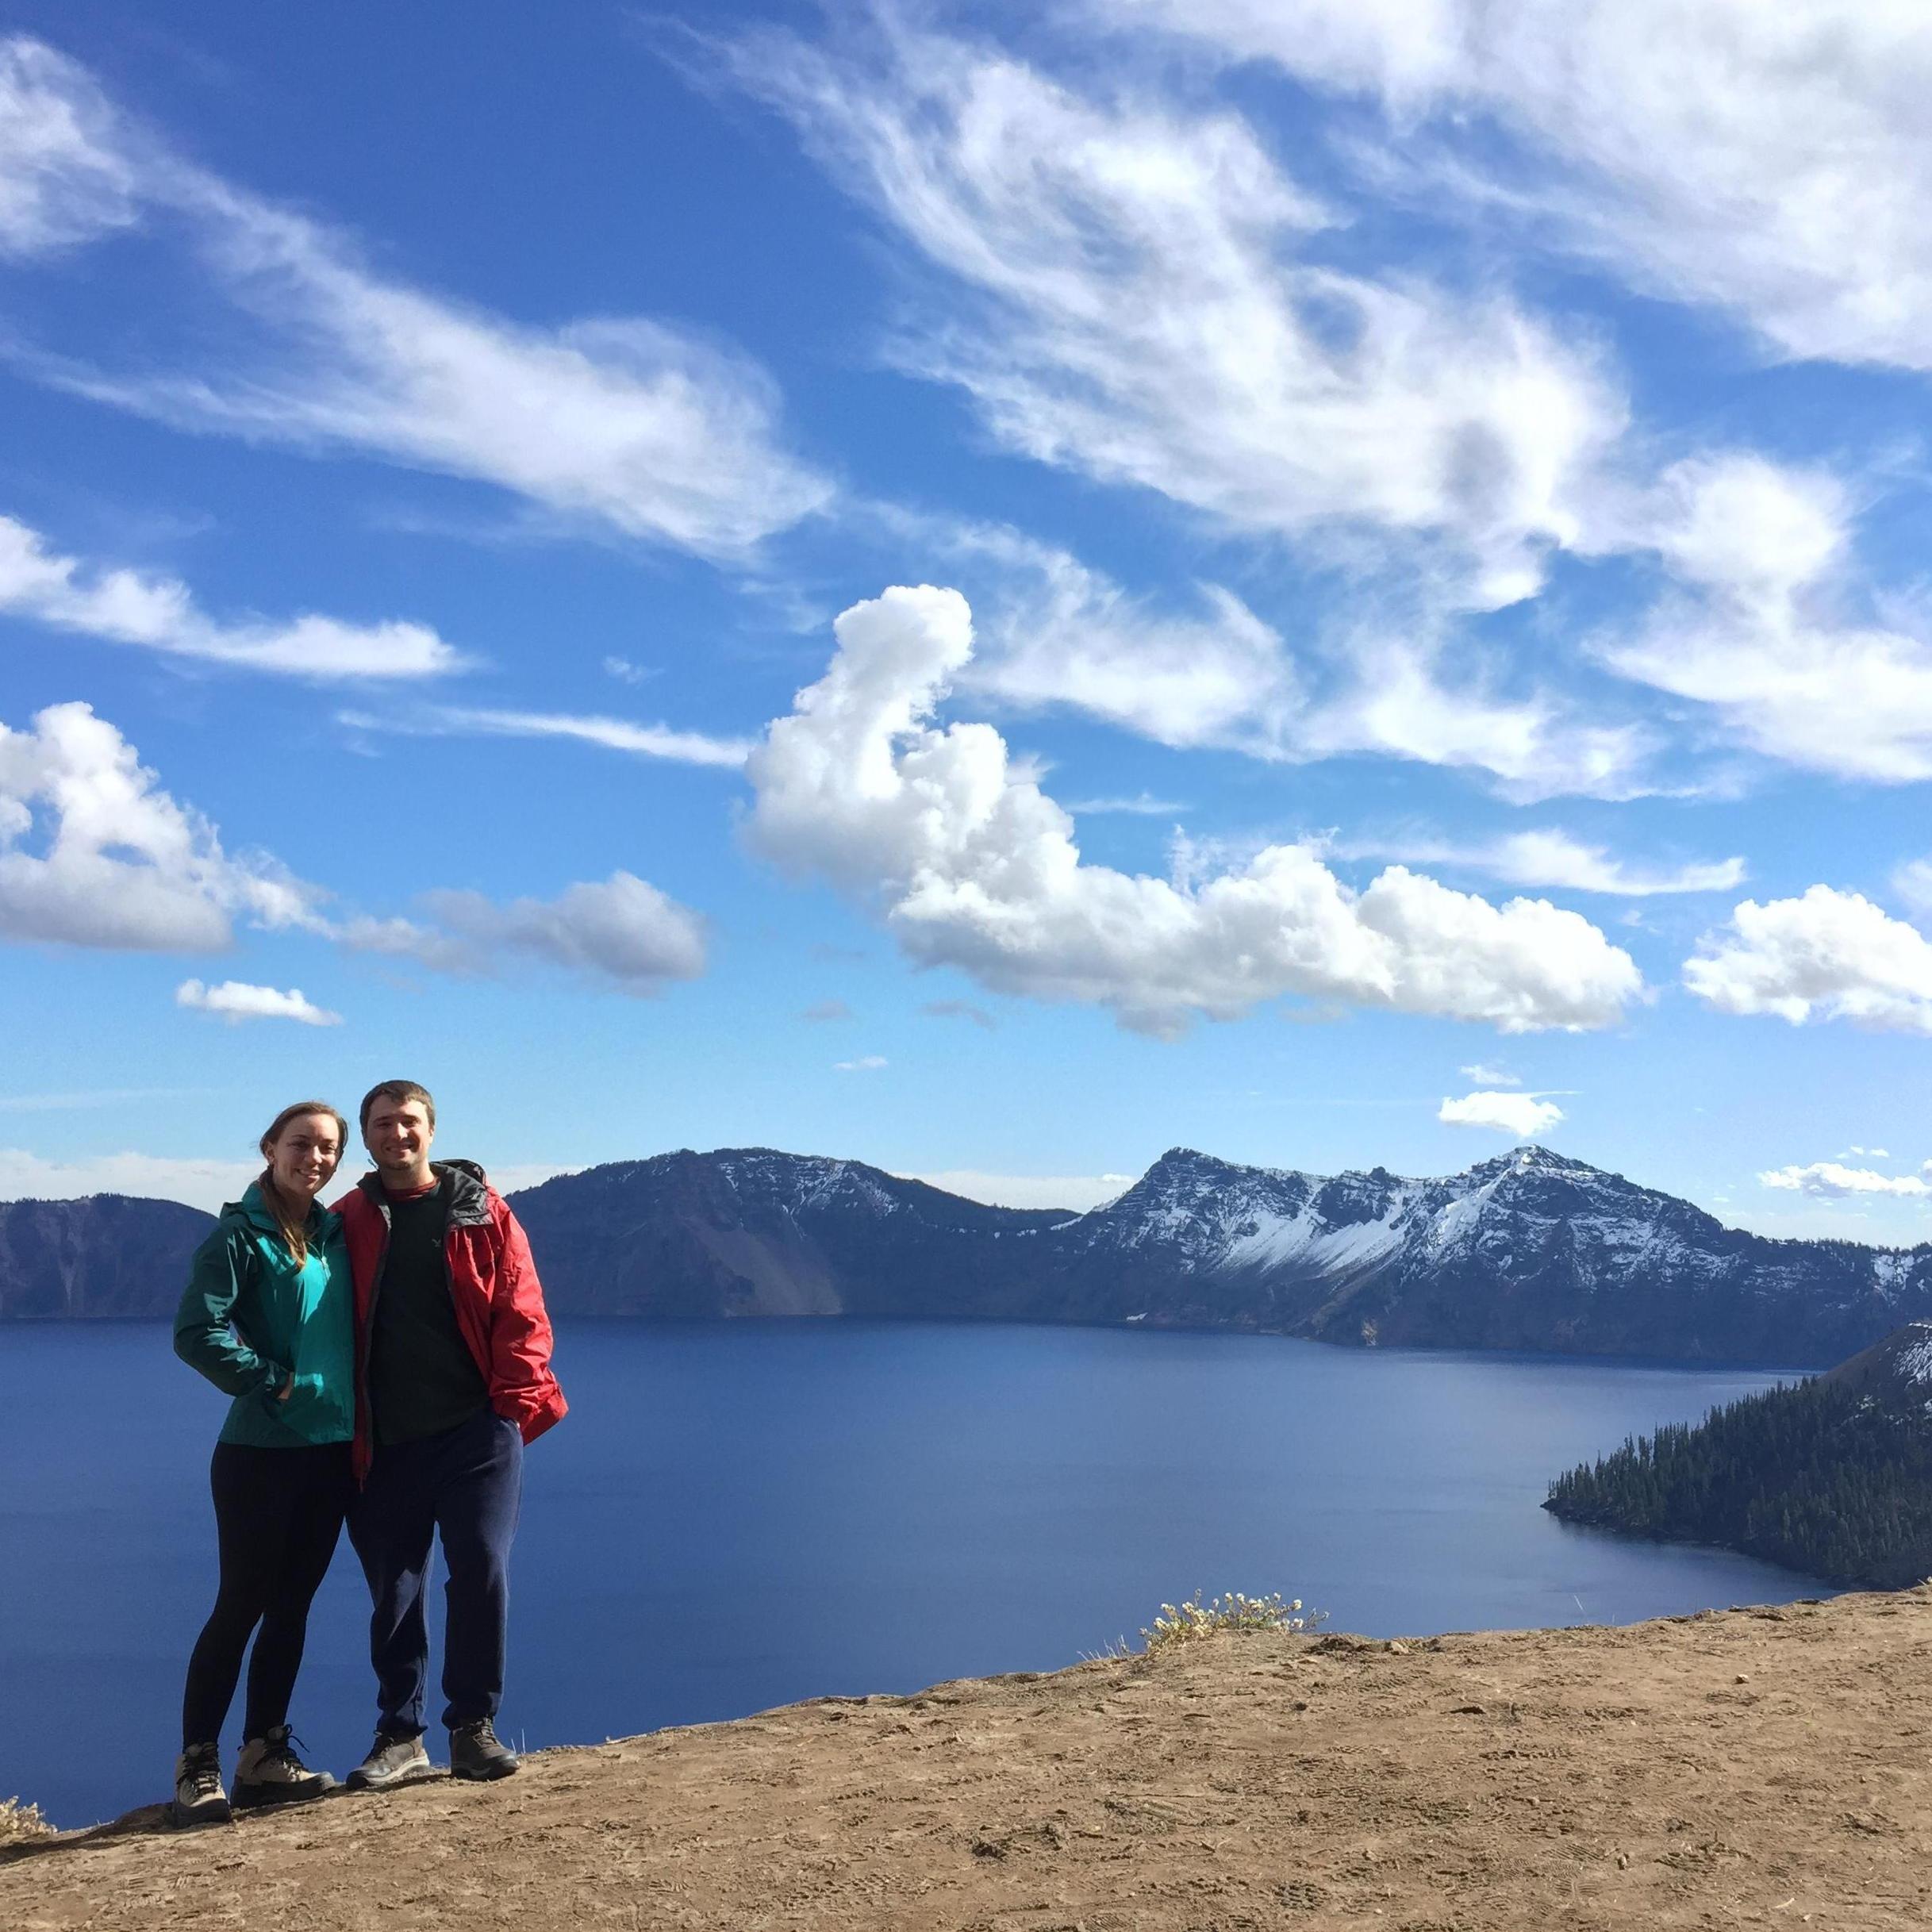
point(465, 1486)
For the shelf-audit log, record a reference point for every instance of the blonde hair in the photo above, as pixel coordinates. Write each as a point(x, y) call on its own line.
point(294, 1226)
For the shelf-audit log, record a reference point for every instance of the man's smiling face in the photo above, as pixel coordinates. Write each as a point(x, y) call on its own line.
point(398, 1135)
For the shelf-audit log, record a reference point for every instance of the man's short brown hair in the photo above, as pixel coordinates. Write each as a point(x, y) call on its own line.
point(400, 1092)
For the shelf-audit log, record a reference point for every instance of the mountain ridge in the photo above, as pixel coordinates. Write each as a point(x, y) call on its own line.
point(1527, 1250)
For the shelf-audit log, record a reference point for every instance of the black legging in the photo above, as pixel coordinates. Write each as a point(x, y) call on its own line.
point(278, 1513)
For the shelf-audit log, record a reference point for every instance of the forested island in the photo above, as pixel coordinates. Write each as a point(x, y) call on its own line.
point(1832, 1475)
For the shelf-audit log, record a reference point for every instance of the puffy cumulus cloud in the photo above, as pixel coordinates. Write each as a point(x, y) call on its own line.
point(1520, 1114)
point(624, 423)
point(975, 866)
point(120, 862)
point(1827, 1181)
point(1554, 857)
point(1776, 160)
point(63, 178)
point(1132, 294)
point(234, 999)
point(623, 932)
point(159, 613)
point(1825, 956)
point(1757, 632)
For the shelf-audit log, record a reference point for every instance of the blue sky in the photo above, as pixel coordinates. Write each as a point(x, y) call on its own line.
point(1381, 549)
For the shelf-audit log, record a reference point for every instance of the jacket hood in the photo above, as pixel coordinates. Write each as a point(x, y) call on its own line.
point(467, 1184)
point(253, 1209)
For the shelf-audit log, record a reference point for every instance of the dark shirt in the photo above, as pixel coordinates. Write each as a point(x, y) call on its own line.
point(422, 1377)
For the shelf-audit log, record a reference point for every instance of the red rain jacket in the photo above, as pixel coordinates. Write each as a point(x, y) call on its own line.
point(492, 1283)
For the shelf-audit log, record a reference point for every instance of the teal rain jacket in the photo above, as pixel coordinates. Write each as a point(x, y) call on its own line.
point(252, 1315)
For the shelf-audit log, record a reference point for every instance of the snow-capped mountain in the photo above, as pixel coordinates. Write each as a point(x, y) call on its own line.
point(1531, 1250)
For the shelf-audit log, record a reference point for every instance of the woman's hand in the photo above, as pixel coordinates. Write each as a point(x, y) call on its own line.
point(287, 1389)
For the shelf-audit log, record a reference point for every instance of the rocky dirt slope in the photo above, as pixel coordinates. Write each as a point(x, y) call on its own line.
point(1767, 1767)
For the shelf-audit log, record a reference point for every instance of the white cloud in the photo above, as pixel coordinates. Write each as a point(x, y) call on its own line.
point(866, 1063)
point(1912, 882)
point(1060, 633)
point(206, 1183)
point(159, 613)
point(1827, 1181)
point(234, 999)
point(624, 423)
point(1776, 160)
point(1825, 955)
point(1520, 1114)
point(201, 1183)
point(624, 932)
point(1554, 857)
point(121, 864)
point(975, 867)
point(1760, 636)
point(1483, 1075)
point(1143, 804)
point(62, 180)
point(614, 734)
point(1076, 1193)
point(1134, 297)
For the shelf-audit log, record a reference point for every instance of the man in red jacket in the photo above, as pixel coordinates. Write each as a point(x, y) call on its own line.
point(452, 1377)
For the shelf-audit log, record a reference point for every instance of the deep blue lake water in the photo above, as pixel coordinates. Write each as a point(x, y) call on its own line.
point(735, 1516)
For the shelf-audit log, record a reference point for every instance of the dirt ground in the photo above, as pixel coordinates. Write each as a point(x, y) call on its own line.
point(1754, 1767)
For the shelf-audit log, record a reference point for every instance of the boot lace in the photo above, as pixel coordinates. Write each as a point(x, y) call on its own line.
point(202, 1768)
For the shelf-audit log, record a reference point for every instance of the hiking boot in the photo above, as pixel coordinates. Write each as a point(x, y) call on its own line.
point(396, 1758)
point(475, 1751)
point(199, 1798)
point(268, 1771)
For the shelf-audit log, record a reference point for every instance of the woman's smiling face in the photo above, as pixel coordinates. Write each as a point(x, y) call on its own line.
point(304, 1156)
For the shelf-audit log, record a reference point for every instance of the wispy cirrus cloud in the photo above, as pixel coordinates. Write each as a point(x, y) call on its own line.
point(1132, 291)
point(624, 423)
point(658, 741)
point(1774, 161)
point(1553, 858)
point(160, 614)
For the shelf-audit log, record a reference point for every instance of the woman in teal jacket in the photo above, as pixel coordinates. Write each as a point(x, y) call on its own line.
point(268, 1318)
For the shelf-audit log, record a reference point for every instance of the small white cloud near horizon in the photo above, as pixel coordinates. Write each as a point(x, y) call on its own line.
point(1828, 1180)
point(159, 614)
point(1520, 1115)
point(972, 865)
point(1824, 955)
point(207, 1182)
point(865, 1063)
point(234, 1000)
point(1078, 1193)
